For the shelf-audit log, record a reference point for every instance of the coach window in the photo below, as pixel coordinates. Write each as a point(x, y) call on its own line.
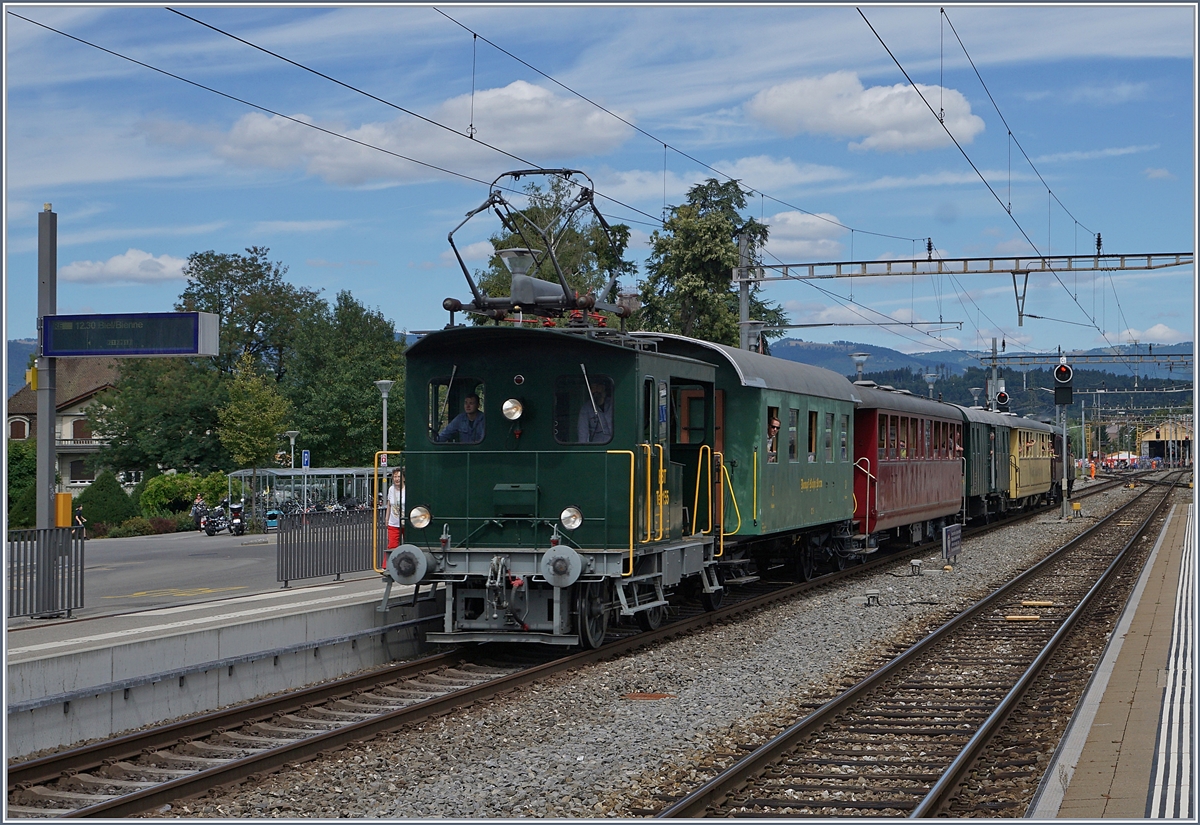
point(583, 410)
point(892, 424)
point(844, 435)
point(927, 447)
point(828, 437)
point(882, 437)
point(903, 436)
point(450, 420)
point(793, 435)
point(812, 436)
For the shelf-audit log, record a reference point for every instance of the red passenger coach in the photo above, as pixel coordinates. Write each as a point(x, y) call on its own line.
point(908, 463)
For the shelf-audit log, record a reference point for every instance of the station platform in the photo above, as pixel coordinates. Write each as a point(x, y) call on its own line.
point(73, 681)
point(1127, 753)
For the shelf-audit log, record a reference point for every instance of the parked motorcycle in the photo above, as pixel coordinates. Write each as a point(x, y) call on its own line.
point(216, 520)
point(237, 521)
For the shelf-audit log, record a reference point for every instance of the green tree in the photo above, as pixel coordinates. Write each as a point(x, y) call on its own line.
point(162, 413)
point(169, 493)
point(104, 501)
point(342, 353)
point(583, 250)
point(258, 311)
point(688, 289)
point(22, 468)
point(250, 423)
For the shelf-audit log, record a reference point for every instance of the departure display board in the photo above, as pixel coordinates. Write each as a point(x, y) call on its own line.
point(141, 335)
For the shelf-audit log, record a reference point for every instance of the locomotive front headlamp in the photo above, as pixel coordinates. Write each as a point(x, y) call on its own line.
point(419, 517)
point(571, 518)
point(512, 409)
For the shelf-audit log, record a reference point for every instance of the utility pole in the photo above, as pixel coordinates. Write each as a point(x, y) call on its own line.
point(992, 386)
point(47, 418)
point(744, 294)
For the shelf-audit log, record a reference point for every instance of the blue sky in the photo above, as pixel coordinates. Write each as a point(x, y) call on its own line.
point(801, 103)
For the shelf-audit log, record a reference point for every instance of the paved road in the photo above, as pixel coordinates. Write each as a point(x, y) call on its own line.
point(123, 575)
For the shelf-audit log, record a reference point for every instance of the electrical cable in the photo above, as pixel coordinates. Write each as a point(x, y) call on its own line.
point(987, 185)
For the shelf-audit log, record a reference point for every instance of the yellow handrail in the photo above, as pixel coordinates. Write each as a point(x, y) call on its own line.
point(375, 509)
point(754, 508)
point(632, 464)
point(662, 477)
point(733, 497)
point(649, 505)
point(704, 448)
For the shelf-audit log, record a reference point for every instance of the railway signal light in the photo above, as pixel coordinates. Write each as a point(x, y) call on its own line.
point(1062, 384)
point(1002, 400)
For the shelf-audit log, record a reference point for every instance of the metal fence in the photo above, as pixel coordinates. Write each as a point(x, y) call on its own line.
point(45, 571)
point(327, 544)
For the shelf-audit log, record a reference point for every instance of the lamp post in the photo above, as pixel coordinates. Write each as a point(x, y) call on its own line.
point(930, 378)
point(975, 391)
point(859, 358)
point(384, 388)
point(291, 434)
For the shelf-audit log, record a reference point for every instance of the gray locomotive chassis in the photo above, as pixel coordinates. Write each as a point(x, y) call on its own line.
point(548, 610)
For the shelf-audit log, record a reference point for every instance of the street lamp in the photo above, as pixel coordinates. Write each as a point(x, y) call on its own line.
point(975, 391)
point(930, 378)
point(384, 388)
point(859, 358)
point(291, 434)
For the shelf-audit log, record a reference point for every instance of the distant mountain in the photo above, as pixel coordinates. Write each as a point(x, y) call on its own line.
point(836, 357)
point(18, 361)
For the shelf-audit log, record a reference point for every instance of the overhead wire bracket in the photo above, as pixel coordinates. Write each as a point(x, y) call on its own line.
point(1020, 294)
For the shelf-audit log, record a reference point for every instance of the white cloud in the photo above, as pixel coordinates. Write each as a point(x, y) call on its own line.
point(132, 267)
point(1094, 154)
point(888, 118)
point(795, 236)
point(1158, 174)
point(526, 120)
point(1113, 93)
point(477, 253)
point(1157, 334)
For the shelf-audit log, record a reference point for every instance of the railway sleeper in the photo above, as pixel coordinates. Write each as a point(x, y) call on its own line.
point(41, 793)
point(172, 758)
point(87, 781)
point(817, 804)
point(128, 770)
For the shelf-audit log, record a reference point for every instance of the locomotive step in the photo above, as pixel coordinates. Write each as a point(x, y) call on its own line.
point(742, 580)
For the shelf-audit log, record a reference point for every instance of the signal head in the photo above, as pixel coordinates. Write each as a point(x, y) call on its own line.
point(1063, 374)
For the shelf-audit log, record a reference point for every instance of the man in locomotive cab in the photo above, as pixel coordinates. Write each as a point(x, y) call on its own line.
point(596, 416)
point(467, 426)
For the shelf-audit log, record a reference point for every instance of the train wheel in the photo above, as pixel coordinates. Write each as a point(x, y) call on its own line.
point(652, 619)
point(711, 601)
point(839, 561)
point(591, 614)
point(807, 564)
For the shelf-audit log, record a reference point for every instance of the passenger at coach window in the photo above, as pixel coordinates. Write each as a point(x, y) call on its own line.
point(467, 426)
point(395, 509)
point(772, 440)
point(595, 423)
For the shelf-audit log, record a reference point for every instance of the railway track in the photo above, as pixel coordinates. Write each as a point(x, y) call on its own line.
point(901, 741)
point(145, 770)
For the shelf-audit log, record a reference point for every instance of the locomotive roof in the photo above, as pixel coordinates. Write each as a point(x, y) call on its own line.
point(763, 371)
point(471, 338)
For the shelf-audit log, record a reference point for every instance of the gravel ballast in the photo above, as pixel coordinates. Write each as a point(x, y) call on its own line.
point(572, 746)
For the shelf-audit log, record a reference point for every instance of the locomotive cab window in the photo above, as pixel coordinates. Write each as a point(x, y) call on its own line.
point(583, 410)
point(456, 410)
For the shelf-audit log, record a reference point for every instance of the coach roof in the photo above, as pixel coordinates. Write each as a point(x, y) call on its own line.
point(763, 371)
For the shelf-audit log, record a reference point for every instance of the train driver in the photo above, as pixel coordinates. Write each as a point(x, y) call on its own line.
point(467, 426)
point(595, 423)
